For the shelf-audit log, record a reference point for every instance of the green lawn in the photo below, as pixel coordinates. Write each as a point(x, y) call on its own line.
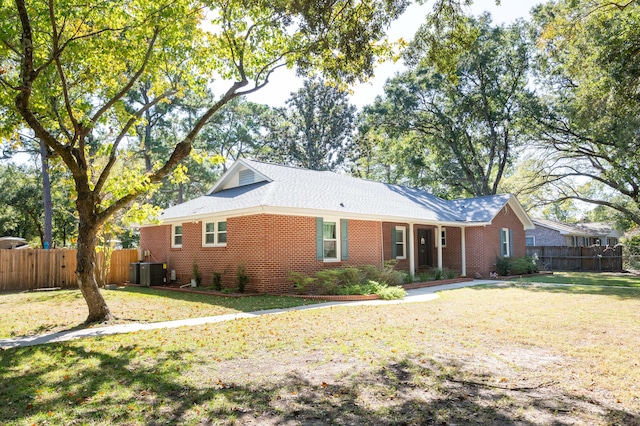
point(31, 313)
point(516, 354)
point(586, 278)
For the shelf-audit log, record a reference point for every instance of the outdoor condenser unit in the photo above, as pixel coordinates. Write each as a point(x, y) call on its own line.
point(152, 273)
point(134, 273)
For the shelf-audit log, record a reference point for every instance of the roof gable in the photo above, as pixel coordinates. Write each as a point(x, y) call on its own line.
point(240, 173)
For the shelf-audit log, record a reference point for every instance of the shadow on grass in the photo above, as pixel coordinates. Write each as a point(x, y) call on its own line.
point(138, 386)
point(241, 304)
point(587, 278)
point(621, 293)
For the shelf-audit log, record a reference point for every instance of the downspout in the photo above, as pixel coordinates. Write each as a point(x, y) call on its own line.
point(439, 242)
point(381, 245)
point(412, 262)
point(463, 272)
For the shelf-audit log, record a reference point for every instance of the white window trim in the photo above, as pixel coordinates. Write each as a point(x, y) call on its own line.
point(530, 236)
point(338, 240)
point(443, 236)
point(505, 232)
point(173, 235)
point(215, 232)
point(403, 229)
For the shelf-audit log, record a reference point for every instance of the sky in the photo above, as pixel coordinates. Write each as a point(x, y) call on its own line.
point(284, 81)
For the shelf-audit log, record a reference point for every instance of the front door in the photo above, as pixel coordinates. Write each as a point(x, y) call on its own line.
point(425, 242)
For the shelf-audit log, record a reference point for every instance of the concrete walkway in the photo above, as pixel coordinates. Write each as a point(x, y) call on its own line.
point(413, 296)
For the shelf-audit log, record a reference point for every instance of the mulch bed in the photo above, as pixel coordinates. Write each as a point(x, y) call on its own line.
point(336, 298)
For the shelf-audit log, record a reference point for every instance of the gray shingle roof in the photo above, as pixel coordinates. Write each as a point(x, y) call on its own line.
point(593, 229)
point(337, 194)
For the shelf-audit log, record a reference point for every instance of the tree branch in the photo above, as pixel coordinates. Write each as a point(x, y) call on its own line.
point(131, 82)
point(114, 149)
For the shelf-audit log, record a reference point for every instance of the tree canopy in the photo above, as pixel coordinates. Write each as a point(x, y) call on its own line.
point(459, 134)
point(590, 84)
point(67, 67)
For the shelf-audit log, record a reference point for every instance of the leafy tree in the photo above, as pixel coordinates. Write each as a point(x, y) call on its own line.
point(589, 79)
point(20, 203)
point(318, 126)
point(464, 131)
point(66, 69)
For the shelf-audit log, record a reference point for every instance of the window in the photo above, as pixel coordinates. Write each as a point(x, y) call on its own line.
point(530, 241)
point(443, 237)
point(332, 241)
point(329, 241)
point(176, 237)
point(401, 242)
point(505, 242)
point(214, 233)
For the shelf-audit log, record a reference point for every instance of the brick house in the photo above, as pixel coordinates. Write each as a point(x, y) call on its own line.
point(275, 219)
point(549, 233)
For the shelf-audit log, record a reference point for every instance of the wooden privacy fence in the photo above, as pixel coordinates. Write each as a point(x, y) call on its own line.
point(592, 258)
point(31, 269)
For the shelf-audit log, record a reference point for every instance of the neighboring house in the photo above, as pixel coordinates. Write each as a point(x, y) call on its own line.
point(275, 219)
point(549, 233)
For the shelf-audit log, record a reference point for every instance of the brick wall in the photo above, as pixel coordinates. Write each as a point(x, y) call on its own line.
point(483, 243)
point(270, 246)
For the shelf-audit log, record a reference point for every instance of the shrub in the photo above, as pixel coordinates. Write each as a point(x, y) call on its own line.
point(437, 274)
point(352, 281)
point(241, 277)
point(391, 292)
point(388, 274)
point(370, 287)
point(523, 265)
point(196, 274)
point(503, 266)
point(516, 265)
point(449, 274)
point(424, 276)
point(301, 282)
point(216, 281)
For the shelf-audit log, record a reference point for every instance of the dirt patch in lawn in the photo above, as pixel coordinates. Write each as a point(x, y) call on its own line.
point(309, 389)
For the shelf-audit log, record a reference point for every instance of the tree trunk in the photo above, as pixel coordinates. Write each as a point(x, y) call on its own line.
point(46, 198)
point(86, 257)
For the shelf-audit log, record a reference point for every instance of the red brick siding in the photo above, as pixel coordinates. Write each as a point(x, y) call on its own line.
point(483, 243)
point(270, 246)
point(452, 252)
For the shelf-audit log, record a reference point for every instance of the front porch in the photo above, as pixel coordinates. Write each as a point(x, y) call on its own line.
point(423, 247)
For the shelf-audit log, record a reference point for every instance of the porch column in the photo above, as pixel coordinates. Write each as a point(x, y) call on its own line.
point(463, 272)
point(439, 243)
point(412, 261)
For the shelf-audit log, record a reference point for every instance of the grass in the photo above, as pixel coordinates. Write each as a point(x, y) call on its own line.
point(50, 311)
point(586, 278)
point(515, 354)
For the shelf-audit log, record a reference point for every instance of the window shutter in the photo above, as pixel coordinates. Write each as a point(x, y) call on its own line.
point(394, 248)
point(407, 238)
point(344, 235)
point(502, 243)
point(511, 242)
point(319, 235)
